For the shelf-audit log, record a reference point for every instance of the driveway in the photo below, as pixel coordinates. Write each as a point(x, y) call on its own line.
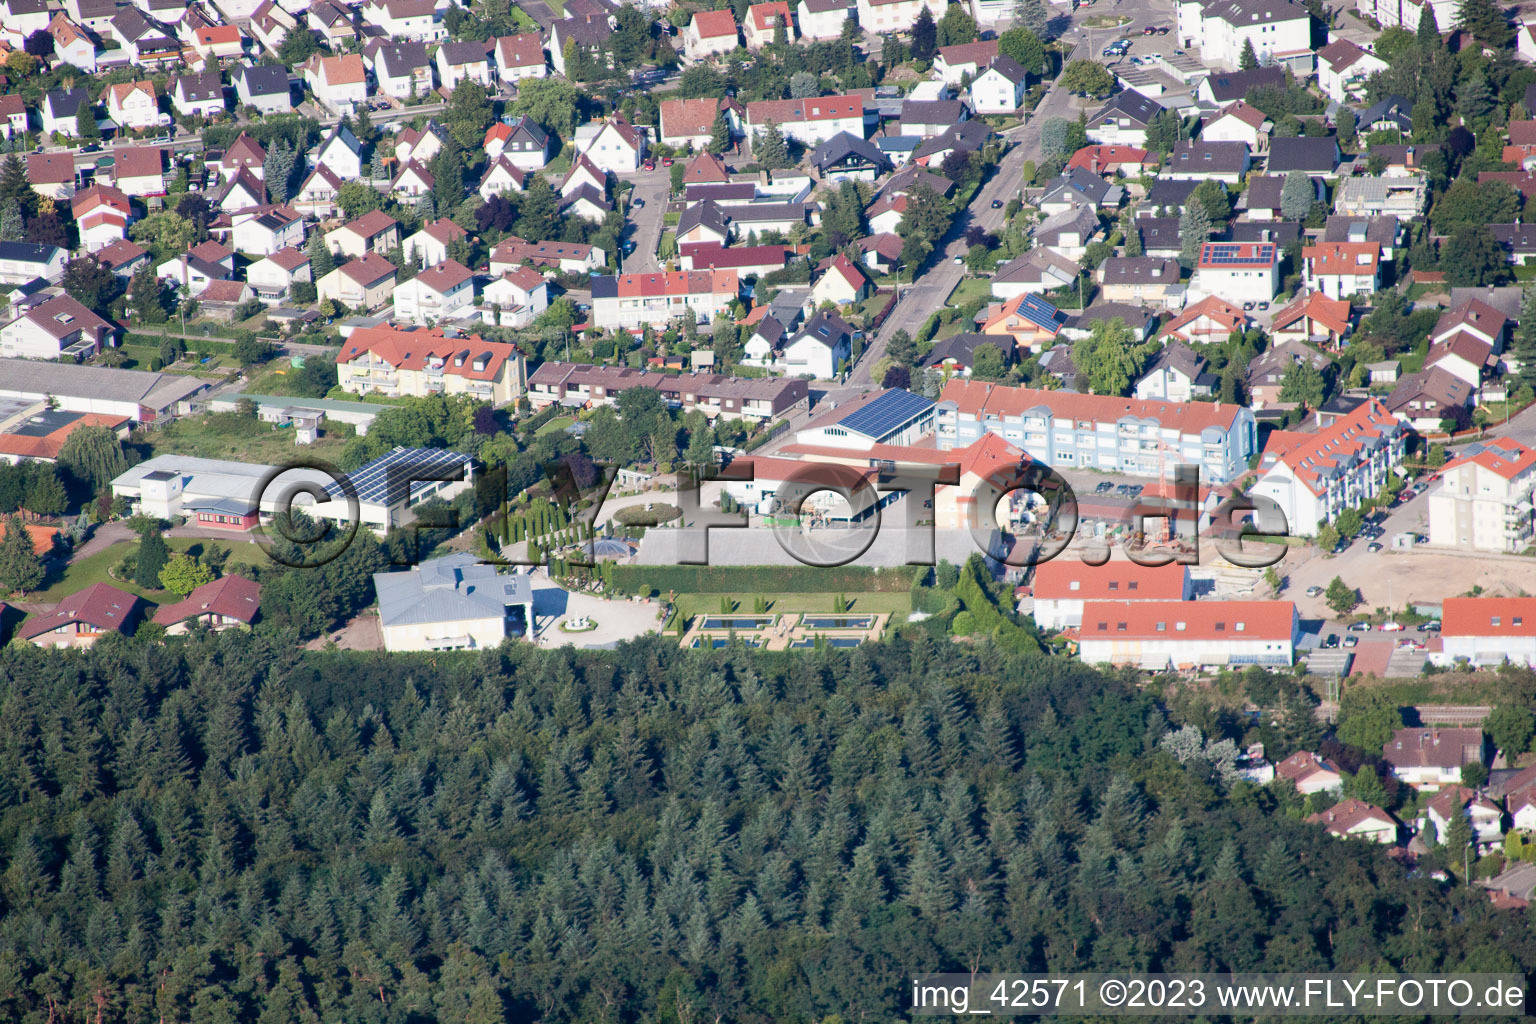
point(645, 223)
point(615, 620)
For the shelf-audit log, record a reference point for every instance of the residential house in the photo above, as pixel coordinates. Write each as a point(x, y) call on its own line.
point(1109, 161)
point(409, 20)
point(262, 87)
point(1239, 122)
point(1144, 280)
point(822, 19)
point(316, 197)
point(819, 349)
point(586, 203)
point(1000, 88)
point(847, 157)
point(431, 243)
point(1365, 196)
point(954, 64)
point(95, 15)
point(1159, 236)
point(340, 84)
point(1276, 30)
point(1390, 113)
point(883, 17)
point(1238, 271)
point(1485, 817)
point(341, 152)
point(122, 257)
point(638, 300)
point(840, 281)
point(956, 354)
point(502, 176)
point(751, 220)
point(1318, 156)
point(1356, 819)
point(690, 124)
point(1079, 186)
point(13, 116)
point(133, 105)
point(1430, 758)
point(702, 224)
point(271, 24)
point(52, 174)
point(1343, 68)
point(1428, 399)
point(198, 95)
point(808, 121)
point(709, 33)
point(765, 21)
point(566, 257)
point(417, 363)
point(455, 603)
point(1487, 631)
point(375, 231)
point(1342, 269)
point(589, 34)
point(520, 56)
point(212, 41)
point(1198, 160)
point(515, 299)
point(220, 299)
point(273, 278)
point(59, 328)
point(230, 602)
point(1314, 476)
point(71, 45)
point(362, 283)
point(25, 262)
point(401, 68)
point(1483, 499)
point(463, 61)
point(82, 618)
point(244, 154)
point(413, 181)
point(1069, 233)
point(1123, 119)
point(1313, 318)
point(1175, 374)
point(1162, 635)
point(1038, 271)
point(615, 146)
point(145, 41)
point(1267, 371)
point(1223, 87)
point(102, 214)
point(140, 170)
point(439, 293)
point(1029, 320)
point(521, 141)
point(1310, 773)
point(930, 117)
point(272, 229)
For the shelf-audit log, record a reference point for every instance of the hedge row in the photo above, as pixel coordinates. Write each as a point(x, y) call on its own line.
point(721, 579)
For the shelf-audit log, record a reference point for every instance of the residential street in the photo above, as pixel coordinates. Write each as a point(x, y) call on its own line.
point(646, 223)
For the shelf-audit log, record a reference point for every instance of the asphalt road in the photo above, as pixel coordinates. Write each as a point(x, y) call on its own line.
point(645, 224)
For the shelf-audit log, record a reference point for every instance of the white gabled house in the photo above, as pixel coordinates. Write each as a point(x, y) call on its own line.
point(614, 145)
point(342, 153)
point(516, 298)
point(432, 241)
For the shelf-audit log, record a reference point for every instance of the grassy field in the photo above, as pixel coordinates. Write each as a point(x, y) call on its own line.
point(94, 569)
point(969, 290)
point(228, 436)
point(866, 604)
point(556, 424)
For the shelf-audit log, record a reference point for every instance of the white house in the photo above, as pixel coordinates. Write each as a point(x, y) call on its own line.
point(1159, 635)
point(521, 141)
point(363, 283)
point(709, 33)
point(455, 603)
point(1429, 758)
point(1061, 586)
point(401, 69)
point(102, 215)
point(1278, 30)
point(432, 241)
point(1310, 773)
point(263, 87)
point(198, 95)
point(516, 298)
point(614, 145)
point(133, 105)
point(822, 19)
point(1485, 817)
point(316, 197)
point(1000, 88)
point(60, 328)
point(1343, 68)
point(1482, 631)
point(273, 278)
point(340, 84)
point(460, 62)
point(266, 232)
point(1313, 477)
point(443, 292)
point(1238, 272)
point(342, 153)
point(1340, 270)
point(1483, 500)
point(59, 109)
point(818, 349)
point(520, 56)
point(885, 16)
point(1355, 819)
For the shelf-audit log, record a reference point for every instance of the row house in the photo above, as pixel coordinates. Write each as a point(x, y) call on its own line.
point(1156, 636)
point(808, 121)
point(1485, 631)
point(1313, 477)
point(581, 385)
point(1060, 587)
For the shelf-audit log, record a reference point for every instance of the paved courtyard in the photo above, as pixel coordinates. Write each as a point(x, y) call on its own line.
point(616, 620)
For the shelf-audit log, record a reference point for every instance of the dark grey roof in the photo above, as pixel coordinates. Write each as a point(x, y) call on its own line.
point(1303, 153)
point(262, 80)
point(754, 212)
point(844, 145)
point(1390, 108)
point(909, 177)
point(1281, 232)
point(826, 6)
point(66, 102)
point(1172, 194)
point(967, 137)
point(1081, 185)
point(1381, 230)
point(1227, 86)
point(1179, 358)
point(706, 214)
point(961, 348)
point(1140, 270)
point(528, 127)
point(1245, 13)
point(1128, 104)
point(1272, 366)
point(1263, 192)
point(1079, 219)
point(1008, 68)
point(463, 53)
point(204, 86)
point(27, 252)
point(1135, 316)
point(400, 58)
point(1159, 233)
point(827, 328)
point(1194, 156)
point(586, 31)
point(945, 112)
point(591, 193)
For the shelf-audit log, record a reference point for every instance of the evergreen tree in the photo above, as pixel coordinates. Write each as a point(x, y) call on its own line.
point(1525, 337)
point(719, 135)
point(321, 262)
point(21, 569)
point(152, 557)
point(13, 226)
point(1429, 32)
point(86, 128)
point(1247, 60)
point(770, 148)
point(1194, 231)
point(1032, 15)
point(1132, 238)
point(925, 35)
point(14, 184)
point(146, 295)
point(1163, 132)
point(45, 495)
point(277, 170)
point(1296, 195)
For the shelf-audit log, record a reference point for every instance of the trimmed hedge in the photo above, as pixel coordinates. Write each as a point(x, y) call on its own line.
point(720, 579)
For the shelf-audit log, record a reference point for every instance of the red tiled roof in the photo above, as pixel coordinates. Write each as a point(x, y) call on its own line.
point(1066, 579)
point(1349, 814)
point(368, 269)
point(47, 446)
point(523, 50)
point(290, 259)
point(1099, 159)
point(976, 397)
point(1211, 307)
point(714, 24)
point(1343, 259)
point(374, 222)
point(677, 282)
point(1499, 455)
point(1302, 765)
point(1187, 620)
point(819, 108)
point(1308, 453)
point(444, 276)
point(1432, 748)
point(100, 606)
point(233, 597)
point(1488, 616)
point(1331, 313)
point(412, 350)
point(50, 168)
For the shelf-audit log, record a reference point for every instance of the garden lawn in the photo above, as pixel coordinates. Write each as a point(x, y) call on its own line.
point(969, 290)
point(227, 436)
point(556, 424)
point(83, 572)
point(859, 604)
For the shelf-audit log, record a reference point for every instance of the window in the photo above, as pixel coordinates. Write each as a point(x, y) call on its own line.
point(1493, 621)
point(1074, 585)
point(1120, 627)
point(1114, 584)
point(1162, 627)
point(1221, 627)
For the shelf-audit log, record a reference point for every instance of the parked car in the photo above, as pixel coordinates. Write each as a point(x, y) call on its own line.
point(1391, 627)
point(1373, 547)
point(1360, 627)
point(1104, 485)
point(649, 165)
point(1351, 641)
point(1248, 306)
point(1433, 626)
point(1330, 641)
point(1150, 30)
point(666, 161)
point(1314, 591)
point(1263, 306)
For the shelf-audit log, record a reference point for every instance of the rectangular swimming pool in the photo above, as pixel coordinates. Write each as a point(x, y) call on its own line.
point(737, 621)
point(717, 642)
point(832, 641)
point(837, 621)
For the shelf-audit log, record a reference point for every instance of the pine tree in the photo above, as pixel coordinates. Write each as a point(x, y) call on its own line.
point(1132, 238)
point(1429, 32)
point(21, 569)
point(277, 170)
point(152, 557)
point(320, 260)
point(13, 227)
point(720, 134)
point(1247, 60)
point(1525, 337)
point(1194, 231)
point(14, 183)
point(86, 128)
point(1033, 15)
point(1296, 195)
point(770, 149)
point(925, 35)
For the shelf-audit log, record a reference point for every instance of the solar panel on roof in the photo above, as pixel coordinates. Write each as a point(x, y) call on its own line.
point(884, 414)
point(382, 481)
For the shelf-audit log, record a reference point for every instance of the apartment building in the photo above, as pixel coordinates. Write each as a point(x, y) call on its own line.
point(1062, 586)
point(883, 17)
point(1105, 432)
point(656, 300)
point(1313, 477)
point(1238, 272)
point(1278, 30)
point(581, 384)
point(396, 363)
point(1483, 501)
point(1156, 636)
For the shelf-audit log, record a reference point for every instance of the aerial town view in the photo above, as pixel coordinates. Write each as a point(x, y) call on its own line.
point(704, 512)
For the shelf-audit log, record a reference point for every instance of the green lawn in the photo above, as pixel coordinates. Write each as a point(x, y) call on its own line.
point(558, 423)
point(229, 436)
point(969, 290)
point(867, 604)
point(95, 569)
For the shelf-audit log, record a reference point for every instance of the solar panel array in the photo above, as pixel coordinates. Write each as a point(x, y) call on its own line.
point(1038, 311)
point(884, 414)
point(383, 481)
point(1218, 253)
